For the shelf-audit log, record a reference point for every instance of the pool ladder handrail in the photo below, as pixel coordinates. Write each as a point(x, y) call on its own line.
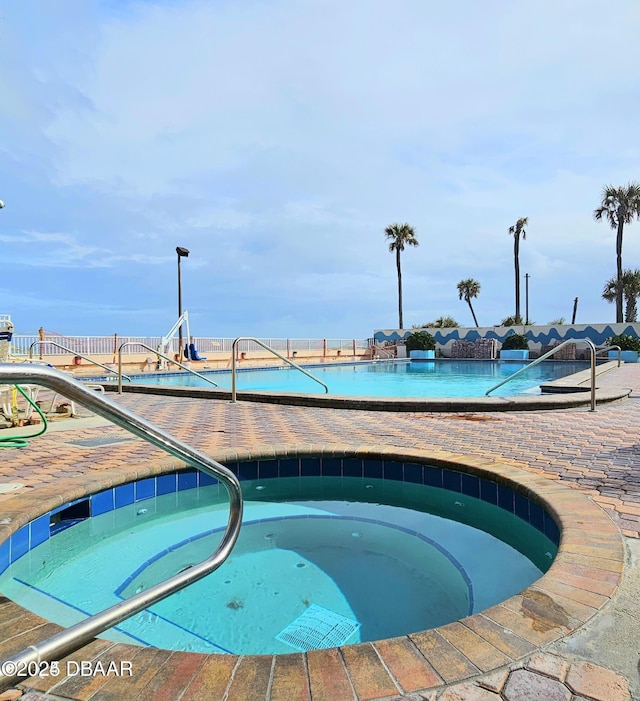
point(75, 353)
point(161, 355)
point(381, 349)
point(234, 347)
point(610, 348)
point(592, 353)
point(79, 634)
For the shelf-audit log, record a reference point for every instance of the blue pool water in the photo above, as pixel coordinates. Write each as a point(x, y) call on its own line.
point(442, 378)
point(385, 557)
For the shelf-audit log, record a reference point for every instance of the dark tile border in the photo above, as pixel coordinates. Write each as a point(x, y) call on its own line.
point(34, 533)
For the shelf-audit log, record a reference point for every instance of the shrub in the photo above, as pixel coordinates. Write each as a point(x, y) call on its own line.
point(421, 340)
point(625, 342)
point(440, 323)
point(444, 322)
point(512, 321)
point(515, 341)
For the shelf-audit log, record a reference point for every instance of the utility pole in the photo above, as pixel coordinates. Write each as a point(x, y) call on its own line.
point(526, 298)
point(182, 253)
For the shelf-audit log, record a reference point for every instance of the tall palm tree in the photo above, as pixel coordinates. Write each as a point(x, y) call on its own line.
point(469, 289)
point(619, 206)
point(518, 230)
point(401, 235)
point(630, 292)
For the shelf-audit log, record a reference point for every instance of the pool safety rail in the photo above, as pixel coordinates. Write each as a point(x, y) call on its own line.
point(234, 352)
point(592, 353)
point(160, 355)
point(74, 637)
point(606, 349)
point(75, 353)
point(383, 352)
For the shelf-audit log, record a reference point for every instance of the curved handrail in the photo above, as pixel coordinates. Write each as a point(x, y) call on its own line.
point(81, 633)
point(157, 352)
point(70, 350)
point(608, 348)
point(234, 347)
point(592, 352)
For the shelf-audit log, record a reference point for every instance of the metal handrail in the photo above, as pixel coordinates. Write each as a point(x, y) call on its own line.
point(82, 633)
point(592, 352)
point(70, 350)
point(234, 347)
point(161, 355)
point(379, 348)
point(608, 348)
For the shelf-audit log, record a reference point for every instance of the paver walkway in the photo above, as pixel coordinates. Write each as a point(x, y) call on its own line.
point(595, 452)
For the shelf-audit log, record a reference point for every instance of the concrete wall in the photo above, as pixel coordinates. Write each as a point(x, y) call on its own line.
point(538, 336)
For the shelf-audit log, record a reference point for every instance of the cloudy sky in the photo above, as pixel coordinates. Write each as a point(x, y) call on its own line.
point(276, 139)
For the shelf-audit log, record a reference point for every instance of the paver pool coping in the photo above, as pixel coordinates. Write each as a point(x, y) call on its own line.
point(568, 392)
point(582, 579)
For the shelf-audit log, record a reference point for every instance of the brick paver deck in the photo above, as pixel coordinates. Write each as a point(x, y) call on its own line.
point(595, 453)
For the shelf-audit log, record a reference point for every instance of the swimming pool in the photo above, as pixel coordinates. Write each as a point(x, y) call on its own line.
point(440, 378)
point(371, 548)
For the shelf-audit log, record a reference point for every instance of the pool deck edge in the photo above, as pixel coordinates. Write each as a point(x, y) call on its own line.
point(566, 399)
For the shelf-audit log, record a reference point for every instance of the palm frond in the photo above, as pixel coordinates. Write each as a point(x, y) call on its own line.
point(518, 228)
point(401, 235)
point(619, 204)
point(468, 289)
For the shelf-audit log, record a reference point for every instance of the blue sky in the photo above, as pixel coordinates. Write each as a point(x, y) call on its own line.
point(277, 139)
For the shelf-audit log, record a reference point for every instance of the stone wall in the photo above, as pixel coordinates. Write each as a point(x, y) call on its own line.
point(482, 348)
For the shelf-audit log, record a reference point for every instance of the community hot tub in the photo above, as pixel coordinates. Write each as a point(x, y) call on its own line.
point(340, 548)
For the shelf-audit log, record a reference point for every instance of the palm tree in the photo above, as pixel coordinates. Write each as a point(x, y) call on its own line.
point(401, 235)
point(469, 289)
point(518, 230)
point(630, 292)
point(619, 206)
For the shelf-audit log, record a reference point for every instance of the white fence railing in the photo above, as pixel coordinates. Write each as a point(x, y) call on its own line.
point(105, 345)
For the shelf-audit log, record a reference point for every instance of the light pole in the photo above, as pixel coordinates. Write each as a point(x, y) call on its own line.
point(182, 253)
point(1, 204)
point(526, 298)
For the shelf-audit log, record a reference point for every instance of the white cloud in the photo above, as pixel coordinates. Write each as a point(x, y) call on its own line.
point(277, 140)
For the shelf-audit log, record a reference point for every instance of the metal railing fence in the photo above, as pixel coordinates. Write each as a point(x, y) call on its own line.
point(108, 345)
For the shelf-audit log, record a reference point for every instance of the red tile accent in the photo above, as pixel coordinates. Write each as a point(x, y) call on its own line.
point(369, 677)
point(328, 676)
point(290, 681)
point(407, 665)
point(251, 680)
point(446, 659)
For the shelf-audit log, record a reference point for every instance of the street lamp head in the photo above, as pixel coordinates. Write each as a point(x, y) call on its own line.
point(1, 204)
point(182, 252)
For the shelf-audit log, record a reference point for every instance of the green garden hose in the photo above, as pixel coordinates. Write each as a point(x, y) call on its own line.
point(21, 441)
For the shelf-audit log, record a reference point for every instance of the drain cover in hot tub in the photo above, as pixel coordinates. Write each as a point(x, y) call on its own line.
point(318, 628)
